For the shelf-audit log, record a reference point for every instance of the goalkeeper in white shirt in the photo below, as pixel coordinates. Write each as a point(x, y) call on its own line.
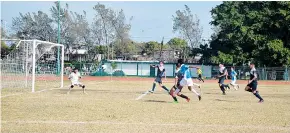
point(74, 79)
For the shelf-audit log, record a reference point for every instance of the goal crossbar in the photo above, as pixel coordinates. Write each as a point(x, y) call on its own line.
point(42, 50)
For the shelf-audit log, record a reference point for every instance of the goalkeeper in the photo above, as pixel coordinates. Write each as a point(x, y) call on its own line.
point(74, 78)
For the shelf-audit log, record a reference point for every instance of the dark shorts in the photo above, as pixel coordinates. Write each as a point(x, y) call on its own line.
point(199, 75)
point(158, 80)
point(178, 89)
point(253, 85)
point(221, 80)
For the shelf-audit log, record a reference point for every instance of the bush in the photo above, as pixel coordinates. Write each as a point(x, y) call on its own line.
point(99, 73)
point(118, 73)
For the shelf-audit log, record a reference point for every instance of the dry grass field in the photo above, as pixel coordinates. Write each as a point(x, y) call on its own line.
point(109, 107)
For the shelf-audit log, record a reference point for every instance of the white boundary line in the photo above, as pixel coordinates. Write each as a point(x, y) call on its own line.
point(148, 124)
point(39, 91)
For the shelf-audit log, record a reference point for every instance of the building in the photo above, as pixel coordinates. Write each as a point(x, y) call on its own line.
point(81, 55)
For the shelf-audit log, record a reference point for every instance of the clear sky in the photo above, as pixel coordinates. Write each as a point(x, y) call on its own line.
point(151, 20)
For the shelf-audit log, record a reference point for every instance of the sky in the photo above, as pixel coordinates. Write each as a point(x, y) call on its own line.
point(151, 20)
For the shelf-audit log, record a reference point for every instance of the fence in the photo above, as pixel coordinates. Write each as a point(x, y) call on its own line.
point(137, 68)
point(84, 68)
point(143, 69)
point(264, 73)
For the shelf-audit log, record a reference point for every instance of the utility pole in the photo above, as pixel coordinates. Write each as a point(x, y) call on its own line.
point(58, 39)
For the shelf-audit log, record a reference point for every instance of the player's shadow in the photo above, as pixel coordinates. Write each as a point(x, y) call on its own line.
point(156, 101)
point(211, 93)
point(222, 100)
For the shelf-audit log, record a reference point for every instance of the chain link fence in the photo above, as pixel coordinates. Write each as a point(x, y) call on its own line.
point(143, 69)
point(264, 73)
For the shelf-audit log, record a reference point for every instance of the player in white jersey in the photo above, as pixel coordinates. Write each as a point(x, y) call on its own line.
point(74, 79)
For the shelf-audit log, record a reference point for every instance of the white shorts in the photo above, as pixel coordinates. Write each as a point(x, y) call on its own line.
point(76, 83)
point(233, 81)
point(176, 91)
point(186, 82)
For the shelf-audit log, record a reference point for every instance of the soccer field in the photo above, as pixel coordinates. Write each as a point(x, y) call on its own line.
point(110, 107)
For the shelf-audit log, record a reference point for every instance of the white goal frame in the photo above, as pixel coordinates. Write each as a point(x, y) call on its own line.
point(34, 60)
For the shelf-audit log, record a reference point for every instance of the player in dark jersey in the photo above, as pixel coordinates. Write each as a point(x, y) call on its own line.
point(253, 83)
point(158, 79)
point(222, 76)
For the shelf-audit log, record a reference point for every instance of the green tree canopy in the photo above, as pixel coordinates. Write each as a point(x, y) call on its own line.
point(252, 31)
point(177, 43)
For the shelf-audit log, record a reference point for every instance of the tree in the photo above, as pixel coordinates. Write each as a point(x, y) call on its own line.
point(99, 49)
point(124, 44)
point(2, 32)
point(103, 29)
point(74, 29)
point(114, 65)
point(178, 44)
point(186, 24)
point(252, 31)
point(34, 26)
point(4, 49)
point(151, 47)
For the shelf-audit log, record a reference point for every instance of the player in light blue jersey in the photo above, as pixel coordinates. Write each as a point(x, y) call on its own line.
point(234, 79)
point(186, 79)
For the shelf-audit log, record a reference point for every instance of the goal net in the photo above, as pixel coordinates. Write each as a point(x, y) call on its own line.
point(33, 64)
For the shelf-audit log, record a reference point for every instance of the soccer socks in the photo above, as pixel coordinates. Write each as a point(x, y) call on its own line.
point(183, 96)
point(196, 84)
point(258, 95)
point(222, 88)
point(194, 91)
point(165, 88)
point(226, 86)
point(153, 87)
point(175, 99)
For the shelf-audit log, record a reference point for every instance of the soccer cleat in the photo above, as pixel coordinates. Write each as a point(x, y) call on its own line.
point(151, 91)
point(224, 93)
point(175, 102)
point(199, 97)
point(236, 87)
point(261, 101)
point(188, 99)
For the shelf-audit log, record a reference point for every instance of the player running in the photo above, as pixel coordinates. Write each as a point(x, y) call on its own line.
point(222, 76)
point(199, 73)
point(234, 79)
point(74, 78)
point(176, 89)
point(158, 79)
point(186, 78)
point(253, 83)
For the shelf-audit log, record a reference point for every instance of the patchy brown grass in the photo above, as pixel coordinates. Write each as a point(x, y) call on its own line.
point(110, 107)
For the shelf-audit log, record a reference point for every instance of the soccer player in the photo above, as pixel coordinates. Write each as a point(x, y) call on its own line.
point(74, 78)
point(253, 83)
point(186, 78)
point(234, 78)
point(199, 73)
point(222, 76)
point(176, 89)
point(158, 79)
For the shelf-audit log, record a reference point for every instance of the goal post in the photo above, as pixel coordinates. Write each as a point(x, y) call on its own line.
point(33, 64)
